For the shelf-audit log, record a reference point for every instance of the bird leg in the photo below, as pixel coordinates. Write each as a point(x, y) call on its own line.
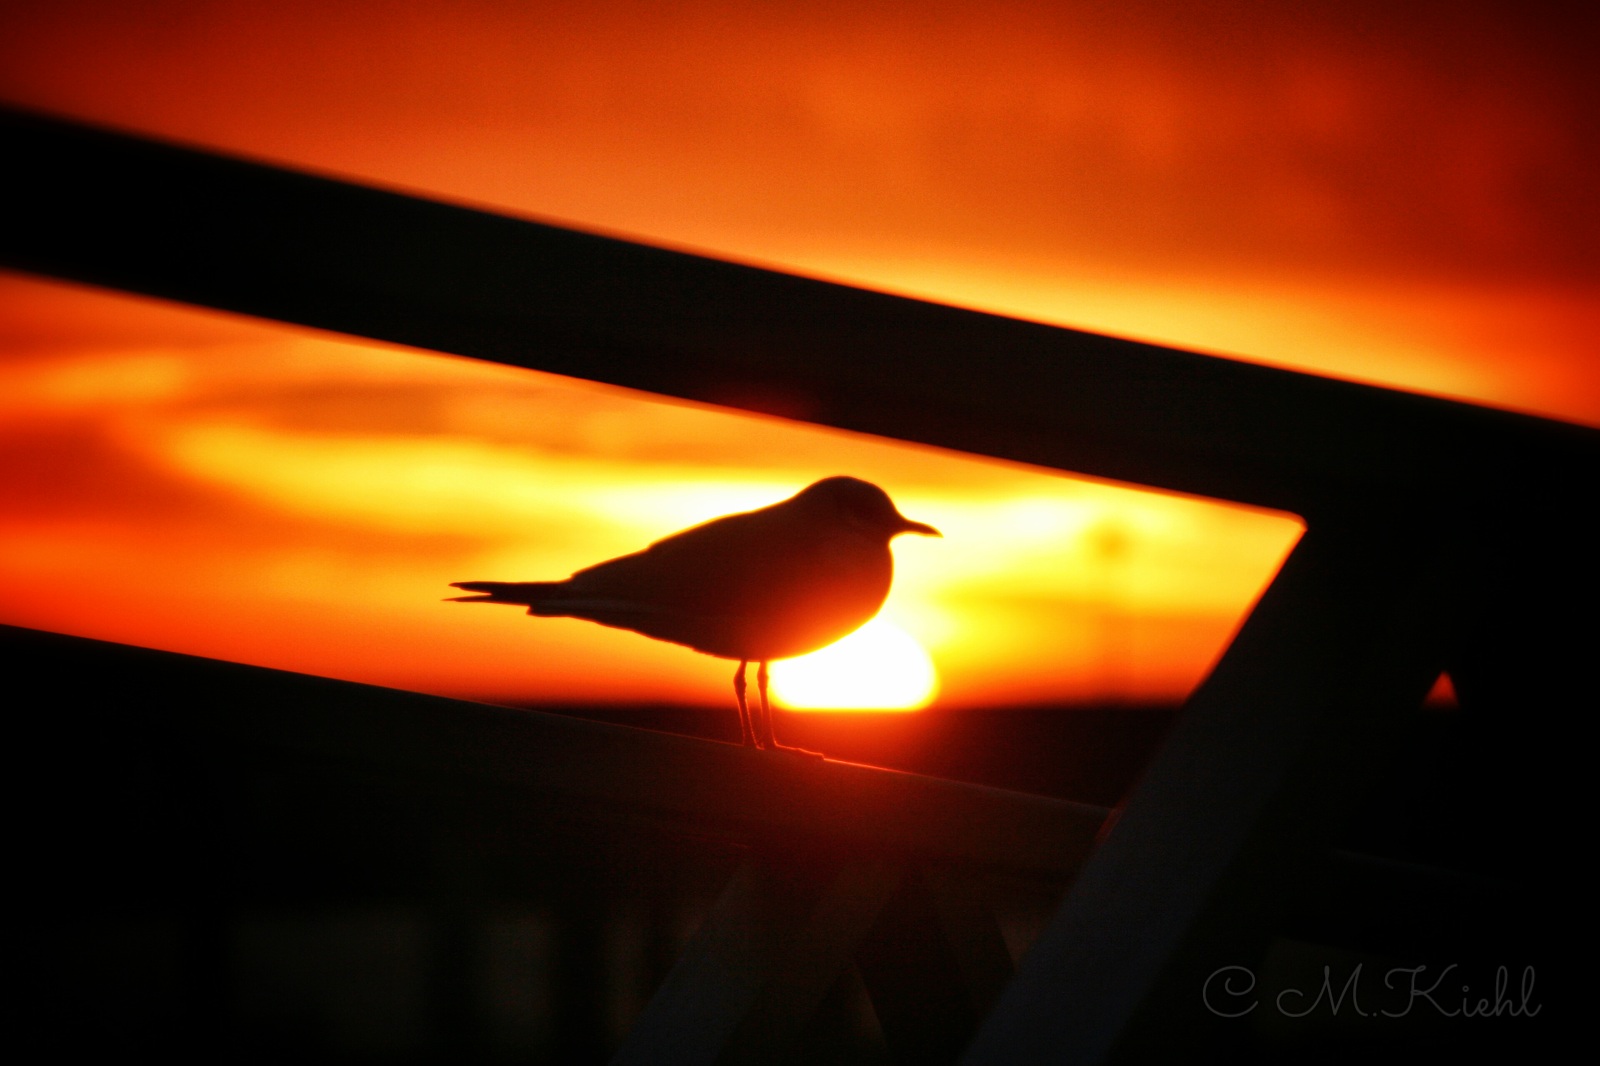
point(764, 734)
point(747, 733)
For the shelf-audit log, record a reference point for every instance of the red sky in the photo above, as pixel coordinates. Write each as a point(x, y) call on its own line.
point(1402, 197)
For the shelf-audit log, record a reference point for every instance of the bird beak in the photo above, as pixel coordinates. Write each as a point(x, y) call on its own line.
point(908, 526)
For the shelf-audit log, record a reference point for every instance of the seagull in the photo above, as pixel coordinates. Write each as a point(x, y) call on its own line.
point(753, 587)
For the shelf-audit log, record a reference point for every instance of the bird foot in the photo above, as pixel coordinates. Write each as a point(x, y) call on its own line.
point(803, 752)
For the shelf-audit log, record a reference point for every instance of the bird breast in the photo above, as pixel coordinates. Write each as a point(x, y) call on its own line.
point(817, 598)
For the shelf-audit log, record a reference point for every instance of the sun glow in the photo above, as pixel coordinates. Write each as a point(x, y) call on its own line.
point(879, 667)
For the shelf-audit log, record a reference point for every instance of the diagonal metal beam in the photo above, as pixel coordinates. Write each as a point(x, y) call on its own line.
point(654, 779)
point(1269, 756)
point(172, 222)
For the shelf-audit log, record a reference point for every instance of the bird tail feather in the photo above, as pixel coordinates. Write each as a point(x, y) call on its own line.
point(522, 593)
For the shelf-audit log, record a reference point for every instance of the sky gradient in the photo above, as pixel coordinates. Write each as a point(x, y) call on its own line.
point(1402, 198)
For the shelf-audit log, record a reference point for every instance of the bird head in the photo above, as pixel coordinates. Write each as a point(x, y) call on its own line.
point(864, 506)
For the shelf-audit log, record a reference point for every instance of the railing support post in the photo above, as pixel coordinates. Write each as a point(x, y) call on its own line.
point(1267, 756)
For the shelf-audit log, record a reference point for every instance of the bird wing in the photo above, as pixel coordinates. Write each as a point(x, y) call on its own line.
point(729, 566)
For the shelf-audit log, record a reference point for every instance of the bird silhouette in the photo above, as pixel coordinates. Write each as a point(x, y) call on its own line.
point(761, 585)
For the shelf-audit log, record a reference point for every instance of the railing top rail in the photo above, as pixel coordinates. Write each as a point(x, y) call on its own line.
point(632, 775)
point(173, 222)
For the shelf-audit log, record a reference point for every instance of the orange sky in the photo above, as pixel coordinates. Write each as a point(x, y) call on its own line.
point(1399, 198)
point(200, 482)
point(1404, 196)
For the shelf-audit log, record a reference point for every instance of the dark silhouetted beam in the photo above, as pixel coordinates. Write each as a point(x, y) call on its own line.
point(147, 217)
point(706, 787)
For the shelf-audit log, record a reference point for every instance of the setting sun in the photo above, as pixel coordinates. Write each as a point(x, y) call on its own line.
point(879, 667)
